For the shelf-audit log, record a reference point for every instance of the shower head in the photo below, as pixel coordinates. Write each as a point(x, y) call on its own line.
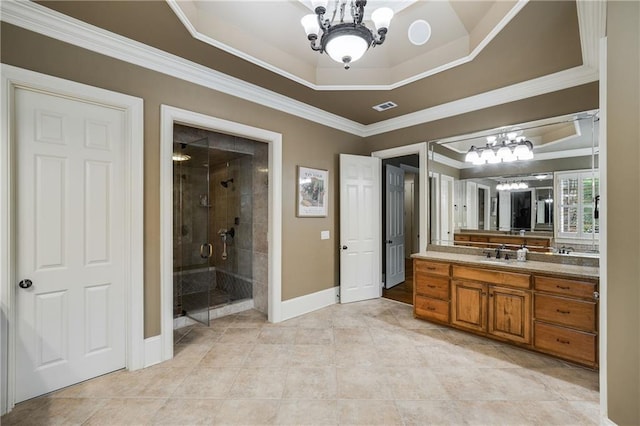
point(226, 183)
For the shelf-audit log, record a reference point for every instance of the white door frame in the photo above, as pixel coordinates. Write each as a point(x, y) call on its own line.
point(132, 107)
point(420, 149)
point(169, 116)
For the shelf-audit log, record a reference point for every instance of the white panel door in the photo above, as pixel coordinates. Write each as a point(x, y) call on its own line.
point(394, 226)
point(360, 228)
point(70, 321)
point(471, 205)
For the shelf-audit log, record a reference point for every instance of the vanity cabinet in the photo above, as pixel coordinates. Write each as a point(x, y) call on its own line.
point(535, 309)
point(431, 290)
point(565, 318)
point(494, 302)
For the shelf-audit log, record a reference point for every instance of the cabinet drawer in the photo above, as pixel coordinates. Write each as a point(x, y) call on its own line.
point(428, 308)
point(570, 344)
point(432, 286)
point(428, 267)
point(511, 279)
point(567, 287)
point(570, 312)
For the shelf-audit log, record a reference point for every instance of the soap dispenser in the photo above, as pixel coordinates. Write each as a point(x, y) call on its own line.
point(522, 253)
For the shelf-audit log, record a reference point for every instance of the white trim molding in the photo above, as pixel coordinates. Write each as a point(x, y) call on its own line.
point(310, 302)
point(132, 108)
point(423, 178)
point(40, 19)
point(170, 115)
point(152, 351)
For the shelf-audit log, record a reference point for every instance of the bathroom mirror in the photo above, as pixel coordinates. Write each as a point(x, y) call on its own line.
point(549, 201)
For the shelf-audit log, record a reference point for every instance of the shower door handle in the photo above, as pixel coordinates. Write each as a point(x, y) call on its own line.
point(206, 250)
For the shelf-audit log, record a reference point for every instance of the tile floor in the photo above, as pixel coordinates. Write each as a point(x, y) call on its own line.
point(363, 363)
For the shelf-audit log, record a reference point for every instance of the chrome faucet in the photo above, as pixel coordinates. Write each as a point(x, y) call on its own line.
point(502, 247)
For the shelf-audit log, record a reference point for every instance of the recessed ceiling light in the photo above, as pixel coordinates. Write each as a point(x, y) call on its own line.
point(385, 106)
point(419, 32)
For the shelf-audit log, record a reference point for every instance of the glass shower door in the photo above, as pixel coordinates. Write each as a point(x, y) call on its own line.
point(192, 247)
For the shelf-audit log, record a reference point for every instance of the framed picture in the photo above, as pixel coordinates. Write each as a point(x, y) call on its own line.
point(313, 188)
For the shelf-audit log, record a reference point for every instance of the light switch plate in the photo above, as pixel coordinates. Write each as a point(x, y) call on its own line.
point(324, 235)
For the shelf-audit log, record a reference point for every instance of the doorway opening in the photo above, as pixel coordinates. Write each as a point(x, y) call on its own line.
point(220, 223)
point(400, 225)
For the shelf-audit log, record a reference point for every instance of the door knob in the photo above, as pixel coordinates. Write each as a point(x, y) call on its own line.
point(344, 247)
point(389, 241)
point(25, 283)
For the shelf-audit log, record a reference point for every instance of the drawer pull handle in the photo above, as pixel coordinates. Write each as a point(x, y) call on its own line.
point(430, 308)
point(431, 286)
point(563, 312)
point(431, 268)
point(563, 287)
point(564, 342)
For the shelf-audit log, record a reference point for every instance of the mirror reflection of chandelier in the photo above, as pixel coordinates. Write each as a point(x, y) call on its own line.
point(503, 148)
point(345, 42)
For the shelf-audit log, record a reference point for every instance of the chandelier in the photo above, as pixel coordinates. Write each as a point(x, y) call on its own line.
point(502, 148)
point(345, 42)
point(511, 186)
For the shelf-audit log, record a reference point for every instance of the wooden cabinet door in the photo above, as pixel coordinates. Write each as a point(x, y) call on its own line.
point(510, 314)
point(469, 305)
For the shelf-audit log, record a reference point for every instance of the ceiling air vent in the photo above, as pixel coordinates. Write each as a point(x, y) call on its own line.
point(385, 106)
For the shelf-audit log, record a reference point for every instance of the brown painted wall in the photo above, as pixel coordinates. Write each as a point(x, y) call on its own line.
point(309, 264)
point(623, 211)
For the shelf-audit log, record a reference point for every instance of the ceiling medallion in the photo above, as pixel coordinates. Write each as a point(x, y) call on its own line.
point(345, 42)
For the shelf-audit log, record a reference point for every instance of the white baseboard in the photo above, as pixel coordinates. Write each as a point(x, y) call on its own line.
point(606, 421)
point(311, 302)
point(152, 351)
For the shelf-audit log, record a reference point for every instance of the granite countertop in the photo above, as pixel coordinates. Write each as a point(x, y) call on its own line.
point(530, 266)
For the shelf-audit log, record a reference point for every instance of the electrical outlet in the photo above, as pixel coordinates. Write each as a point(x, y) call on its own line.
point(324, 235)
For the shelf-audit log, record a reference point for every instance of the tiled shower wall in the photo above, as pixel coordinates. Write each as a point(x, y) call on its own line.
point(243, 205)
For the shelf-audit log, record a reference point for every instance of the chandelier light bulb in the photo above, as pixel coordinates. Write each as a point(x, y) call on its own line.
point(381, 18)
point(472, 155)
point(487, 155)
point(310, 24)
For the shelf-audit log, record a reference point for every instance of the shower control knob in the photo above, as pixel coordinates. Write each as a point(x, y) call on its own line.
point(25, 283)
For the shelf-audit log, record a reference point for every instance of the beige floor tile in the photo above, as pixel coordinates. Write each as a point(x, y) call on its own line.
point(468, 383)
point(247, 412)
point(490, 413)
point(557, 413)
point(307, 412)
point(226, 355)
point(394, 355)
point(486, 356)
point(312, 356)
point(258, 383)
point(459, 337)
point(206, 382)
point(354, 412)
point(240, 335)
point(419, 413)
point(201, 336)
point(54, 411)
point(528, 359)
point(156, 382)
point(272, 335)
point(187, 355)
point(310, 383)
point(358, 336)
point(274, 356)
point(126, 412)
point(314, 336)
point(112, 385)
point(574, 384)
point(443, 355)
point(363, 383)
point(188, 412)
point(353, 355)
point(415, 383)
point(387, 336)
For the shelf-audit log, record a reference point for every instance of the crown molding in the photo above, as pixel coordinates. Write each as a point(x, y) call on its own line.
point(538, 86)
point(40, 19)
point(592, 23)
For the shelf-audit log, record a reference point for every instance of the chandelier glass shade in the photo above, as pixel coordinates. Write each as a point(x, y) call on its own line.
point(510, 186)
point(345, 42)
point(510, 149)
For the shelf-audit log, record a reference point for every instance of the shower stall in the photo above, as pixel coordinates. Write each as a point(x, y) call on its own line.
point(214, 191)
